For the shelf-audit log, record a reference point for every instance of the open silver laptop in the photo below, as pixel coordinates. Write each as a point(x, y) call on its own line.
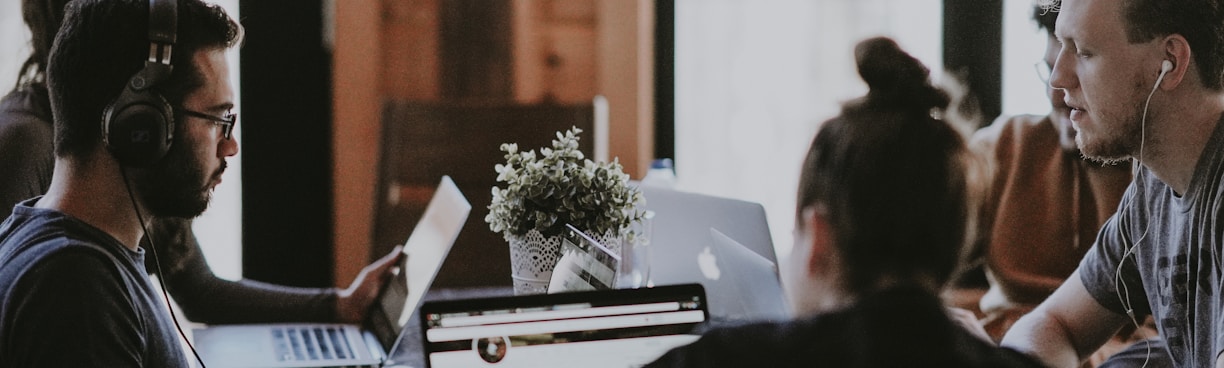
point(685, 218)
point(722, 243)
point(335, 345)
point(743, 286)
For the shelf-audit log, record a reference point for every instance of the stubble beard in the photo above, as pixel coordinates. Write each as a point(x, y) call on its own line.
point(1114, 144)
point(175, 186)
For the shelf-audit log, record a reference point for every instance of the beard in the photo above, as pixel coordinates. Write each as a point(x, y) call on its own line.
point(1116, 144)
point(175, 186)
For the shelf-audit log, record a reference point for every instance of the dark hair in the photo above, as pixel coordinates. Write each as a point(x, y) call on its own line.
point(1201, 22)
point(102, 43)
point(43, 17)
point(1045, 18)
point(891, 176)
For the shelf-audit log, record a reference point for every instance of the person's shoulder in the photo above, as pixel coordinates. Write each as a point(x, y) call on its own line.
point(47, 245)
point(28, 226)
point(839, 339)
point(756, 344)
point(33, 236)
point(75, 261)
point(24, 118)
point(57, 269)
point(1011, 128)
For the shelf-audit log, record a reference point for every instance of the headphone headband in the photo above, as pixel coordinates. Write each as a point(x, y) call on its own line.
point(138, 125)
point(163, 23)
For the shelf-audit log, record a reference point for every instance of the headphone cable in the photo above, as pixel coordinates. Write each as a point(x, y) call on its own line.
point(157, 262)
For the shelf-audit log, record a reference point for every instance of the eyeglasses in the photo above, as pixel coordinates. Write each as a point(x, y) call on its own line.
point(1043, 72)
point(226, 122)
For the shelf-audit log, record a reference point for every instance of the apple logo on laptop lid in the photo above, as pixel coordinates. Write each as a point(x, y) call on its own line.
point(708, 264)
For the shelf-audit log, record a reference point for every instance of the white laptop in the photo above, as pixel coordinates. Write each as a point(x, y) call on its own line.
point(613, 328)
point(336, 345)
point(722, 243)
point(743, 286)
point(685, 218)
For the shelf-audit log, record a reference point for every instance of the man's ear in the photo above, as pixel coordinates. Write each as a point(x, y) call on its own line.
point(1176, 51)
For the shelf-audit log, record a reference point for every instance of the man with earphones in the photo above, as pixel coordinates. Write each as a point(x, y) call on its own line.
point(141, 98)
point(1045, 206)
point(1143, 79)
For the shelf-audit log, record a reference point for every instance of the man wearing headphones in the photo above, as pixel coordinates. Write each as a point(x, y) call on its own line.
point(26, 162)
point(1143, 81)
point(141, 97)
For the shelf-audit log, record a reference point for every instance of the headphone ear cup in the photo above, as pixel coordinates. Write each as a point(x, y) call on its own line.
point(138, 127)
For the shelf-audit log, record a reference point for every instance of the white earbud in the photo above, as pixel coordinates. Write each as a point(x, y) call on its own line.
point(1165, 67)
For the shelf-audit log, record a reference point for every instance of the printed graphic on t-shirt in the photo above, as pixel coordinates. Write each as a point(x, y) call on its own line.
point(1173, 277)
point(1179, 295)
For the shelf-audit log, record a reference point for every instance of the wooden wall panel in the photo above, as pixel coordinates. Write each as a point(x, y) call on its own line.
point(355, 138)
point(557, 52)
point(409, 43)
point(625, 77)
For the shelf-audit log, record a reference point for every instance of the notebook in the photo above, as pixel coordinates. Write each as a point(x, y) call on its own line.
point(589, 329)
point(721, 243)
point(334, 345)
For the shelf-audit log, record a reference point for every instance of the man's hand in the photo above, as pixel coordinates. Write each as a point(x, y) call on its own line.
point(352, 303)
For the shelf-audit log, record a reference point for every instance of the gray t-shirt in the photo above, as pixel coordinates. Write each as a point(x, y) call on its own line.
point(73, 296)
point(1169, 250)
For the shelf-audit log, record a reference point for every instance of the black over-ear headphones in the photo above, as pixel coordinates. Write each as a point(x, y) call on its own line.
point(138, 126)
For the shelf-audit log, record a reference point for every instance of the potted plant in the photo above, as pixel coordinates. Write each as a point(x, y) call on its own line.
point(545, 192)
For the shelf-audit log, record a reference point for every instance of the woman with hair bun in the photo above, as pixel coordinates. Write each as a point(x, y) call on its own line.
point(882, 215)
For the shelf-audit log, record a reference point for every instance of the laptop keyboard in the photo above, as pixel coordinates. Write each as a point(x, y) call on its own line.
point(311, 343)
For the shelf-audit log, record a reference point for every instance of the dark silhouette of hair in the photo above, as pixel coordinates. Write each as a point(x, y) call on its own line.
point(1045, 18)
point(1201, 22)
point(43, 17)
point(891, 176)
point(102, 43)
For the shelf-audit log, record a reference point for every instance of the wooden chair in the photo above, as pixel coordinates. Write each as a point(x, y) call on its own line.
point(423, 141)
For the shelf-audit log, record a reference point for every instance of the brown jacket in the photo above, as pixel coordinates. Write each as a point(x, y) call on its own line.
point(1042, 213)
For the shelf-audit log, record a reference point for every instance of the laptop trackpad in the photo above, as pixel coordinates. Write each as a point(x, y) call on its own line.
point(242, 346)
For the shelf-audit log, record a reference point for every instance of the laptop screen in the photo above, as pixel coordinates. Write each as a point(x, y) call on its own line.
point(384, 314)
point(605, 328)
point(424, 252)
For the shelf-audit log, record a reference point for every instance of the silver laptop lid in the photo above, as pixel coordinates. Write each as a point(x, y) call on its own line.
point(748, 289)
point(681, 229)
point(424, 252)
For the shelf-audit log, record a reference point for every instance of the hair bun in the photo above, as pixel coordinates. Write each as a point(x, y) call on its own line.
point(895, 78)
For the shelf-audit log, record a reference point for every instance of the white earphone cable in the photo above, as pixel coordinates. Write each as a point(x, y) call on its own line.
point(1122, 289)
